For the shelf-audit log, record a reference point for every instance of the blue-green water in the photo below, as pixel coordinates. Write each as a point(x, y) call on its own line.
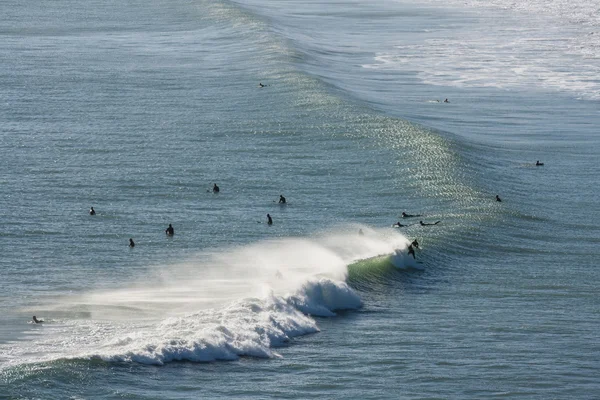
point(138, 108)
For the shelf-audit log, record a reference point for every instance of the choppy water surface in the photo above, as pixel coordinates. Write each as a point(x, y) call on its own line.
point(138, 108)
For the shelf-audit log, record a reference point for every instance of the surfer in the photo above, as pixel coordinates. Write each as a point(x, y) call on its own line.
point(281, 199)
point(405, 215)
point(37, 321)
point(170, 231)
point(428, 224)
point(398, 225)
point(92, 211)
point(446, 101)
point(538, 163)
point(498, 198)
point(269, 219)
point(415, 243)
point(261, 85)
point(215, 188)
point(411, 251)
point(131, 242)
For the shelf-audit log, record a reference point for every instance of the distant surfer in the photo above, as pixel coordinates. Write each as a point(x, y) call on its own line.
point(269, 219)
point(92, 211)
point(216, 188)
point(37, 321)
point(282, 199)
point(261, 85)
point(498, 198)
point(429, 224)
point(131, 243)
point(415, 243)
point(446, 101)
point(538, 163)
point(405, 215)
point(398, 225)
point(170, 231)
point(411, 251)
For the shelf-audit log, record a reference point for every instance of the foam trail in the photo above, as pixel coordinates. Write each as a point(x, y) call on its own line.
point(237, 302)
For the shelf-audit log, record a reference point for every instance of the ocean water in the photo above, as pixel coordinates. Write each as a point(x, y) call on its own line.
point(137, 108)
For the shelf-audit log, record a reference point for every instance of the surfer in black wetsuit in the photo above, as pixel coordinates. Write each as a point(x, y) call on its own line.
point(269, 220)
point(170, 231)
point(428, 224)
point(131, 243)
point(37, 321)
point(538, 163)
point(498, 198)
point(398, 225)
point(446, 101)
point(411, 251)
point(415, 243)
point(216, 188)
point(281, 199)
point(405, 215)
point(92, 211)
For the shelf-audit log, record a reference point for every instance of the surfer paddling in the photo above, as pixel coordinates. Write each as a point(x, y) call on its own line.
point(37, 321)
point(538, 163)
point(398, 225)
point(429, 223)
point(405, 215)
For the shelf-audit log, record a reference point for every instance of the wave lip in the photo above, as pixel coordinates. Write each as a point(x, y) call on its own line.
point(323, 296)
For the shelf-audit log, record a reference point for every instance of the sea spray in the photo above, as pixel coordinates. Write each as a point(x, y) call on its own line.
point(236, 302)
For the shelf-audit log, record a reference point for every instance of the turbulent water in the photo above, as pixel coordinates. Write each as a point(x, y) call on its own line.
point(137, 108)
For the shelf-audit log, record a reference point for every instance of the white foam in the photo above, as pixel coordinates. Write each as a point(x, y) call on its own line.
point(236, 302)
point(402, 260)
point(549, 45)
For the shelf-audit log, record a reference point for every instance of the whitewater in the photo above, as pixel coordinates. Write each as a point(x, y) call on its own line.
point(239, 302)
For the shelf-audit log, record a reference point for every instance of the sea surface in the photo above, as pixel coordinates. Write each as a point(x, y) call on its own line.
point(137, 108)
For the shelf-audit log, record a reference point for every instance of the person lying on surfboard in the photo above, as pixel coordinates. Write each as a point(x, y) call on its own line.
point(428, 224)
point(405, 215)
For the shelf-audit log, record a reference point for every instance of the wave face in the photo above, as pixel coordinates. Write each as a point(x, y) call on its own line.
point(238, 302)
